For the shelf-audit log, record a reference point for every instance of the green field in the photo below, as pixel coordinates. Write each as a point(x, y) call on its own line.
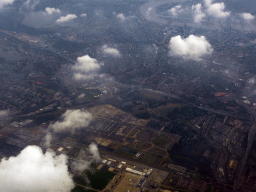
point(81, 189)
point(160, 141)
point(100, 178)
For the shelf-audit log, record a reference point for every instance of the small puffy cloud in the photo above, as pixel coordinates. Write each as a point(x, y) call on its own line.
point(72, 120)
point(121, 16)
point(81, 165)
point(81, 96)
point(4, 113)
point(85, 67)
point(48, 140)
point(148, 13)
point(192, 47)
point(83, 15)
point(198, 13)
point(84, 160)
point(94, 151)
point(50, 11)
point(247, 16)
point(176, 10)
point(33, 171)
point(86, 64)
point(5, 3)
point(83, 76)
point(216, 9)
point(30, 4)
point(66, 18)
point(110, 51)
point(251, 81)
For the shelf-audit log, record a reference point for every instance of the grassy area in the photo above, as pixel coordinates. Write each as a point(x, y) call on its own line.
point(167, 108)
point(81, 189)
point(125, 149)
point(174, 188)
point(142, 145)
point(198, 177)
point(160, 140)
point(100, 178)
point(209, 188)
point(150, 159)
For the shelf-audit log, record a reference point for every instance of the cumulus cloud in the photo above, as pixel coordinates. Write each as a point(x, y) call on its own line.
point(85, 67)
point(247, 16)
point(176, 10)
point(111, 51)
point(72, 120)
point(192, 47)
point(5, 3)
point(148, 13)
point(66, 18)
point(4, 113)
point(81, 96)
point(121, 16)
point(80, 165)
point(84, 159)
point(94, 151)
point(30, 4)
point(251, 81)
point(33, 171)
point(216, 9)
point(198, 13)
point(48, 140)
point(50, 11)
point(83, 15)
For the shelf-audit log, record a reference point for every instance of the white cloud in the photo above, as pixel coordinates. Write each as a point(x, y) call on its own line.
point(80, 76)
point(176, 10)
point(148, 13)
point(66, 18)
point(72, 120)
point(111, 51)
point(48, 140)
point(50, 11)
point(85, 67)
point(192, 47)
point(121, 16)
point(4, 113)
point(33, 171)
point(247, 16)
point(251, 81)
point(30, 4)
point(86, 64)
point(81, 96)
point(216, 9)
point(198, 13)
point(94, 151)
point(5, 3)
point(84, 159)
point(81, 165)
point(83, 15)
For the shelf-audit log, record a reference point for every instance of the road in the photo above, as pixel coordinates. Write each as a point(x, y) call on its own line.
point(36, 48)
point(85, 187)
point(251, 137)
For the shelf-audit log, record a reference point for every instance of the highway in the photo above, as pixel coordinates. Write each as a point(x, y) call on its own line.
point(251, 137)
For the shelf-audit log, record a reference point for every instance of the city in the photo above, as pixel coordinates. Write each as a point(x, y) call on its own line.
point(105, 96)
